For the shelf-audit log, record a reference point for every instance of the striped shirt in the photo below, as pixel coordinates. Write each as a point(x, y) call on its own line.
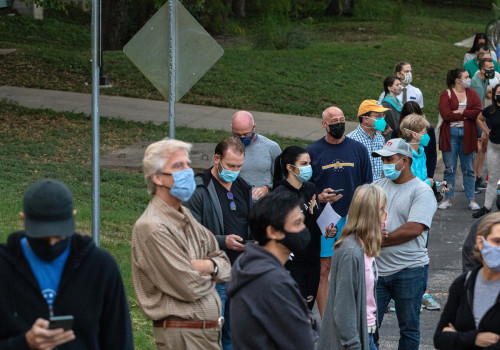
point(164, 241)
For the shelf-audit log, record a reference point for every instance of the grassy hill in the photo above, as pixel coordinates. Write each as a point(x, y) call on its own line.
point(345, 62)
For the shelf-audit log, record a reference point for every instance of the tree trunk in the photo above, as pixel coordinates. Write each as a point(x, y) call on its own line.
point(114, 17)
point(239, 8)
point(334, 9)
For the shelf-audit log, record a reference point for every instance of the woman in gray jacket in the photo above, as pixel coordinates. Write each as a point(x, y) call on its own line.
point(350, 314)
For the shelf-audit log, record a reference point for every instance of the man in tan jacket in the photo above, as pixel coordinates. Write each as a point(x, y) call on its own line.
point(175, 260)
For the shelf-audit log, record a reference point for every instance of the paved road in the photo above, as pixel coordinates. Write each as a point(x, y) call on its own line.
point(449, 227)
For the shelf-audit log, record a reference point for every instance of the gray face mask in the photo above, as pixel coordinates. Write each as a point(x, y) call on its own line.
point(491, 255)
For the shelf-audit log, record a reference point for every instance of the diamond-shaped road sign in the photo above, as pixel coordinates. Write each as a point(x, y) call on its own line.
point(196, 50)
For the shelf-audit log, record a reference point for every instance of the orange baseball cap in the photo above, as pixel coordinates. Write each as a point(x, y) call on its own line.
point(370, 106)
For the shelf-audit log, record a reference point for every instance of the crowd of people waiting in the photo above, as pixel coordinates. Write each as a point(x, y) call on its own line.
point(234, 257)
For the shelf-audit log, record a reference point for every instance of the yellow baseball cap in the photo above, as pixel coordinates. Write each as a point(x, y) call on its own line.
point(370, 106)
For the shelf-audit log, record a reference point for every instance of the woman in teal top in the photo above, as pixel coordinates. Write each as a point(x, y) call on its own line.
point(413, 129)
point(392, 88)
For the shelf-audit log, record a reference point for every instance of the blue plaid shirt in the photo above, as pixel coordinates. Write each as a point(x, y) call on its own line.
point(371, 145)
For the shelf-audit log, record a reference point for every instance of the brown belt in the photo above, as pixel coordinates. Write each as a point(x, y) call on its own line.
point(185, 324)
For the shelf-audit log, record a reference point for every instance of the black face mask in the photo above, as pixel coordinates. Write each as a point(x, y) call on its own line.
point(44, 250)
point(337, 130)
point(296, 242)
point(490, 74)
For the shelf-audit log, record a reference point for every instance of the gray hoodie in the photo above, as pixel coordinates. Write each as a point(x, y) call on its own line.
point(267, 309)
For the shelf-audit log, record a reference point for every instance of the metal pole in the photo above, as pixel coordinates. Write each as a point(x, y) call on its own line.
point(96, 19)
point(173, 66)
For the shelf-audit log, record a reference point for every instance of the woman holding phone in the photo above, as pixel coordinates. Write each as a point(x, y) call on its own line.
point(294, 164)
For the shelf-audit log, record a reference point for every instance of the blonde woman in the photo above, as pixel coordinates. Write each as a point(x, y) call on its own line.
point(471, 316)
point(350, 319)
point(414, 130)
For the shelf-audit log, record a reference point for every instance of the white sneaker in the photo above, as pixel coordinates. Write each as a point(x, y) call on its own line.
point(445, 205)
point(474, 206)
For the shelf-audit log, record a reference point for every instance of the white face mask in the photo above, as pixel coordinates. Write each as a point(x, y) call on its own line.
point(408, 78)
point(466, 83)
point(397, 90)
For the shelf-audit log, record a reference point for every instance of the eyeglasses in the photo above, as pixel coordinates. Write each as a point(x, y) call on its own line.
point(232, 204)
point(375, 117)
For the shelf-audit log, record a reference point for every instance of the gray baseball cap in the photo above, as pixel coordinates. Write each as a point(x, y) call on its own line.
point(394, 146)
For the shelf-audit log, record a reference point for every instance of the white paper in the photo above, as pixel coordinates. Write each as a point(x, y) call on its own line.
point(327, 217)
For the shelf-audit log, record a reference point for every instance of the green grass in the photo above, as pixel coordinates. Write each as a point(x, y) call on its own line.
point(39, 143)
point(345, 63)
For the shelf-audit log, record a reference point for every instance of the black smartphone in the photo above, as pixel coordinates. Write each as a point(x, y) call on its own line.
point(64, 322)
point(248, 241)
point(339, 190)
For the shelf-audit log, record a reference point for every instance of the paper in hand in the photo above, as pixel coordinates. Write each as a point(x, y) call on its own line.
point(327, 218)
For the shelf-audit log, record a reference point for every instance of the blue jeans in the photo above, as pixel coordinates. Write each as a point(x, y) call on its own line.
point(371, 344)
point(406, 287)
point(450, 160)
point(226, 329)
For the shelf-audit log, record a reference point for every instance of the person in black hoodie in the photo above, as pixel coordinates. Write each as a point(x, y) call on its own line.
point(48, 270)
point(267, 309)
point(471, 317)
point(294, 164)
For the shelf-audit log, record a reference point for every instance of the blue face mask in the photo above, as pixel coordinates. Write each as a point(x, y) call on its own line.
point(305, 173)
point(491, 255)
point(379, 124)
point(390, 171)
point(246, 141)
point(424, 140)
point(228, 175)
point(184, 184)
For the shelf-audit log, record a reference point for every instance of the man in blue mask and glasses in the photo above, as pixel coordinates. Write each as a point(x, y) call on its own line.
point(260, 153)
point(369, 132)
point(176, 262)
point(221, 203)
point(403, 260)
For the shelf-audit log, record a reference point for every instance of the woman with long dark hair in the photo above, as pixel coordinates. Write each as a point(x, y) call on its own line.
point(459, 106)
point(392, 88)
point(293, 167)
point(480, 38)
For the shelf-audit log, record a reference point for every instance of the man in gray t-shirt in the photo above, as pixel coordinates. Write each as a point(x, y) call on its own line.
point(260, 153)
point(403, 260)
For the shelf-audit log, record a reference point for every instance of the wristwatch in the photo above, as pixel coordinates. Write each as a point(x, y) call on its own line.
point(216, 269)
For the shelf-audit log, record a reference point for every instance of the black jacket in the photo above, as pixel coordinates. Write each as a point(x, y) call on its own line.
point(205, 205)
point(267, 310)
point(458, 311)
point(91, 290)
point(309, 259)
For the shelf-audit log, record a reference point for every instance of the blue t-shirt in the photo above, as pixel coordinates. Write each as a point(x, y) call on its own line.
point(345, 165)
point(47, 273)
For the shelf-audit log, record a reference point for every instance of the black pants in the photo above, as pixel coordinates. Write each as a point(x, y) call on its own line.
point(308, 282)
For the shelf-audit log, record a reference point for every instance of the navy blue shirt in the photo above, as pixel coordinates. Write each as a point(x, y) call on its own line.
point(345, 165)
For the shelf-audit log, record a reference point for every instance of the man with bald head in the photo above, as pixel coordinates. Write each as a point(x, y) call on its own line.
point(340, 164)
point(260, 153)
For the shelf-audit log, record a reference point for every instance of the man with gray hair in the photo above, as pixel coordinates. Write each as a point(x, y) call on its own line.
point(260, 153)
point(175, 260)
point(403, 261)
